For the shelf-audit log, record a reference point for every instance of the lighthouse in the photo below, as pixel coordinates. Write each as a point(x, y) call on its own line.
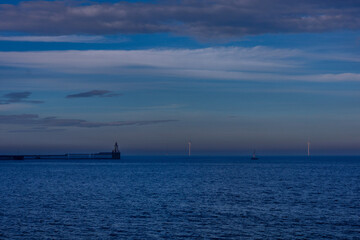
point(116, 152)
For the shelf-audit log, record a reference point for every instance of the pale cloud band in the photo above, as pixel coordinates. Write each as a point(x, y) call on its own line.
point(65, 38)
point(222, 63)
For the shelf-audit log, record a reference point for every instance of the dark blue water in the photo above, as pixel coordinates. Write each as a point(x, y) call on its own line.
point(174, 198)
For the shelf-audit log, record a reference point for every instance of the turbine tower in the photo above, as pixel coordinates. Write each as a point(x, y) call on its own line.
point(308, 148)
point(189, 144)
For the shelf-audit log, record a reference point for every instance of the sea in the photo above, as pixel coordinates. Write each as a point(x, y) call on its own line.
point(177, 197)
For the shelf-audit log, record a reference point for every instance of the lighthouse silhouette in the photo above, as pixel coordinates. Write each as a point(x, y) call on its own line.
point(116, 152)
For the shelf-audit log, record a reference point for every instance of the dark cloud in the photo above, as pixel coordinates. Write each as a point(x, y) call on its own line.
point(211, 18)
point(18, 97)
point(35, 120)
point(94, 93)
point(37, 129)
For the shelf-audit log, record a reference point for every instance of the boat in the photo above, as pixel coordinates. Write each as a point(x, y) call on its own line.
point(254, 157)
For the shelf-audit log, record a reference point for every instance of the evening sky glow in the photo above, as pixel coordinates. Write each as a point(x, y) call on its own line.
point(231, 76)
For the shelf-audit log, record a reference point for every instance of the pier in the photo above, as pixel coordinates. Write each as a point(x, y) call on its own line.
point(115, 154)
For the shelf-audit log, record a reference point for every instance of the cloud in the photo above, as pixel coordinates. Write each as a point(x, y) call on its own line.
point(212, 18)
point(163, 61)
point(18, 97)
point(156, 107)
point(218, 63)
point(341, 77)
point(66, 38)
point(93, 93)
point(35, 120)
point(37, 129)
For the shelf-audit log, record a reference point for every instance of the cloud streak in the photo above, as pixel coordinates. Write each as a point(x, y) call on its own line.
point(213, 18)
point(66, 38)
point(110, 61)
point(93, 93)
point(36, 120)
point(220, 63)
point(18, 97)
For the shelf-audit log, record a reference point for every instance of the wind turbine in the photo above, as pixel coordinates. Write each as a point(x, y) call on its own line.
point(308, 148)
point(189, 147)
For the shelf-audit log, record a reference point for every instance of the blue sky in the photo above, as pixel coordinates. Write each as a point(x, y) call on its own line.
point(231, 76)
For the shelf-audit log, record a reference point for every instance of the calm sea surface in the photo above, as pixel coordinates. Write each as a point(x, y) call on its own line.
point(175, 198)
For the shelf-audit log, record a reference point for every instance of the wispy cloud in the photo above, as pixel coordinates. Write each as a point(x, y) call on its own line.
point(94, 93)
point(37, 130)
point(341, 77)
point(36, 120)
point(219, 63)
point(65, 38)
point(159, 107)
point(213, 18)
point(156, 60)
point(18, 97)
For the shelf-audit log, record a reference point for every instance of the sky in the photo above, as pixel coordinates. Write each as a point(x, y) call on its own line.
point(230, 76)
